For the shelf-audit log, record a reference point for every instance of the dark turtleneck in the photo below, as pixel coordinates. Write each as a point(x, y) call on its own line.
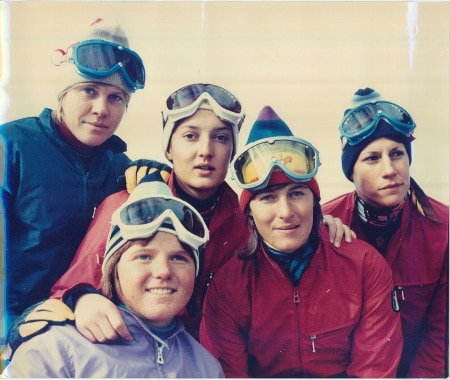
point(379, 224)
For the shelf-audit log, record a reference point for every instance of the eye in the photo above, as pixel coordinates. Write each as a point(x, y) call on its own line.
point(397, 154)
point(371, 158)
point(182, 257)
point(222, 138)
point(189, 136)
point(89, 90)
point(116, 98)
point(297, 194)
point(265, 197)
point(143, 257)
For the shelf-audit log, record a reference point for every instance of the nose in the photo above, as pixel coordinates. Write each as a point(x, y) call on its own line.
point(100, 106)
point(206, 148)
point(284, 208)
point(161, 269)
point(388, 167)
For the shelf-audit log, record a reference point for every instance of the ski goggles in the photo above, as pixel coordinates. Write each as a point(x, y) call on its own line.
point(362, 121)
point(98, 59)
point(185, 102)
point(297, 158)
point(143, 218)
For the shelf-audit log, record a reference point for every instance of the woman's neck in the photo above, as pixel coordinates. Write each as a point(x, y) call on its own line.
point(69, 138)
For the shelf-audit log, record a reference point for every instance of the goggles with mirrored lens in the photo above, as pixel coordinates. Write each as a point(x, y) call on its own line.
point(143, 218)
point(98, 59)
point(185, 101)
point(297, 158)
point(362, 121)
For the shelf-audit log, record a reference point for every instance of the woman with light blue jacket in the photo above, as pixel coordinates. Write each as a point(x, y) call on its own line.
point(149, 270)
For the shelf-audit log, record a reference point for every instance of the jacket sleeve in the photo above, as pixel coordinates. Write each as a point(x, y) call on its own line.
point(431, 358)
point(85, 269)
point(377, 340)
point(220, 329)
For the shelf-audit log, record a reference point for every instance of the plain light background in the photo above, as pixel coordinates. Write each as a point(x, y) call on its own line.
point(305, 59)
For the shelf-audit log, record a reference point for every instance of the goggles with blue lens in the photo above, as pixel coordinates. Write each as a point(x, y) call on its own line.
point(143, 218)
point(98, 59)
point(360, 122)
point(297, 158)
point(185, 102)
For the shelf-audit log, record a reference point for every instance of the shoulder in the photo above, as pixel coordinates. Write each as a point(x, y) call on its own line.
point(341, 200)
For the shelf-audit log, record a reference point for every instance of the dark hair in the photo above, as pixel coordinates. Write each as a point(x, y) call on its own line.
point(255, 240)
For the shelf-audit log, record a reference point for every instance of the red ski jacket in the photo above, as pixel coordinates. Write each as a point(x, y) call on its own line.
point(418, 257)
point(338, 322)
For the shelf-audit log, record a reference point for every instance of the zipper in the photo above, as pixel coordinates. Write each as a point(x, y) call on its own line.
point(296, 296)
point(159, 354)
point(403, 293)
point(313, 338)
point(211, 274)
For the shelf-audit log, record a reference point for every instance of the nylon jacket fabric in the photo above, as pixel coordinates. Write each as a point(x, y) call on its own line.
point(64, 353)
point(418, 257)
point(338, 322)
point(228, 233)
point(49, 198)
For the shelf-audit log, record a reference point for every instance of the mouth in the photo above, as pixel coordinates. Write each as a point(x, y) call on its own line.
point(288, 227)
point(160, 291)
point(205, 167)
point(392, 186)
point(98, 125)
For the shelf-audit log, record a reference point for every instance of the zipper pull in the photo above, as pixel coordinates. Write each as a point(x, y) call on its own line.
point(313, 337)
point(159, 355)
point(93, 214)
point(296, 297)
point(210, 278)
point(403, 293)
point(395, 304)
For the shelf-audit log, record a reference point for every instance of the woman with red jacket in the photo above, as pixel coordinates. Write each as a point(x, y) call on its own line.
point(292, 304)
point(409, 229)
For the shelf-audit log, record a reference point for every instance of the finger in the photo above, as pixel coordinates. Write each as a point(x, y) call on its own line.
point(27, 329)
point(165, 175)
point(348, 234)
point(130, 177)
point(141, 173)
point(87, 334)
point(45, 316)
point(56, 306)
point(119, 325)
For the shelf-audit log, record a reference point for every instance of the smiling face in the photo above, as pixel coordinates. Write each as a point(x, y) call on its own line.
point(283, 215)
point(200, 150)
point(156, 281)
point(92, 112)
point(381, 173)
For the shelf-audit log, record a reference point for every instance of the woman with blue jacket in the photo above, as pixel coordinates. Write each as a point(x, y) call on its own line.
point(60, 166)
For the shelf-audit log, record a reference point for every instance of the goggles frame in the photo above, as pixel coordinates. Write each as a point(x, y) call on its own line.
point(174, 114)
point(264, 179)
point(118, 66)
point(127, 231)
point(364, 131)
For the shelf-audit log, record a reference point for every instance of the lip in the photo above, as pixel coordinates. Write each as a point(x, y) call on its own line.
point(205, 167)
point(391, 186)
point(288, 228)
point(98, 125)
point(160, 291)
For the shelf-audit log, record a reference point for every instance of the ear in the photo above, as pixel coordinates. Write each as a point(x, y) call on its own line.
point(169, 153)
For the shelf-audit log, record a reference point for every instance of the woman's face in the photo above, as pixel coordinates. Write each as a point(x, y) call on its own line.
point(156, 281)
point(284, 215)
point(381, 173)
point(200, 150)
point(92, 112)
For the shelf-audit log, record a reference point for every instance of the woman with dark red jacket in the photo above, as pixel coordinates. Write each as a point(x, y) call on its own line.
point(410, 230)
point(292, 304)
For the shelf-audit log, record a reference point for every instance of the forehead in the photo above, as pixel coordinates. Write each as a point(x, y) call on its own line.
point(204, 120)
point(382, 143)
